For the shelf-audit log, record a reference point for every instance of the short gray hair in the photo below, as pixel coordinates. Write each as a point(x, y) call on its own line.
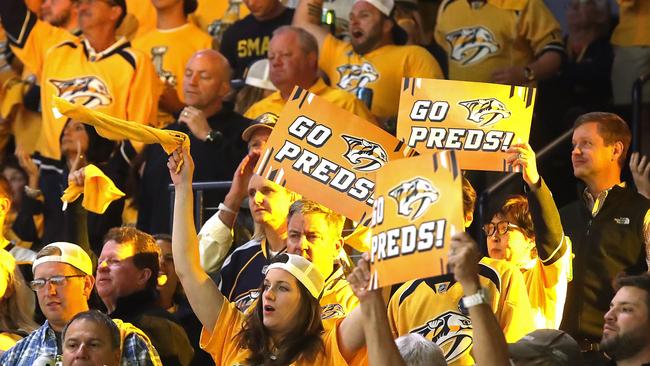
point(308, 43)
point(419, 351)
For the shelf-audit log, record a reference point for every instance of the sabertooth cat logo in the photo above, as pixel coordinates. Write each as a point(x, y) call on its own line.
point(366, 156)
point(332, 311)
point(451, 331)
point(471, 45)
point(414, 197)
point(88, 91)
point(356, 76)
point(485, 112)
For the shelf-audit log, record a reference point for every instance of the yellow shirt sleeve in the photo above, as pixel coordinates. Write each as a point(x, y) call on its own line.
point(540, 28)
point(514, 314)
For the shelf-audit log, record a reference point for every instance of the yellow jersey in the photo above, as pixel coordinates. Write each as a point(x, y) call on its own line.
point(633, 27)
point(337, 299)
point(169, 50)
point(500, 34)
point(222, 345)
point(210, 11)
point(119, 81)
point(274, 103)
point(432, 307)
point(381, 70)
point(547, 286)
point(145, 14)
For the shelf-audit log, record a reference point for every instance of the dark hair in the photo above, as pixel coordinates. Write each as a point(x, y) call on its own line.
point(189, 6)
point(100, 149)
point(100, 319)
point(611, 128)
point(303, 341)
point(469, 197)
point(146, 251)
point(334, 220)
point(515, 209)
point(641, 282)
point(163, 237)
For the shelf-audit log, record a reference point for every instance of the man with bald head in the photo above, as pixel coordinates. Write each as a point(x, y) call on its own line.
point(214, 131)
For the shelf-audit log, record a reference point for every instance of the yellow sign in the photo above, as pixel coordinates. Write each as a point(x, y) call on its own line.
point(328, 155)
point(418, 206)
point(478, 120)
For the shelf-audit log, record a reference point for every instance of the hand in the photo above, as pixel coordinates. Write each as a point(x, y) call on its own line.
point(522, 155)
point(169, 100)
point(640, 167)
point(181, 167)
point(79, 159)
point(196, 121)
point(243, 174)
point(33, 171)
point(77, 177)
point(359, 279)
point(510, 75)
point(463, 260)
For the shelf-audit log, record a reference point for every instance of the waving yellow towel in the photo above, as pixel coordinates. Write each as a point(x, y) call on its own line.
point(98, 189)
point(114, 128)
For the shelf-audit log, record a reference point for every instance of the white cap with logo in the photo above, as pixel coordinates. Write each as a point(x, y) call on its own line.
point(384, 6)
point(71, 254)
point(302, 269)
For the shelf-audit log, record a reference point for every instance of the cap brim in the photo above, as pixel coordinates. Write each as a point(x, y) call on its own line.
point(260, 83)
point(248, 132)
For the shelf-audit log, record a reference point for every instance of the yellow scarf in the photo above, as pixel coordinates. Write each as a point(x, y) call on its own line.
point(117, 129)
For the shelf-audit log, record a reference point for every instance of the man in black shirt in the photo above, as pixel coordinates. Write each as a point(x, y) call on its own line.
point(248, 39)
point(214, 131)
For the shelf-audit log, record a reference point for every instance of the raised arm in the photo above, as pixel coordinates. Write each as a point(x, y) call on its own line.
point(215, 236)
point(382, 350)
point(490, 347)
point(201, 291)
point(308, 17)
point(549, 235)
point(13, 14)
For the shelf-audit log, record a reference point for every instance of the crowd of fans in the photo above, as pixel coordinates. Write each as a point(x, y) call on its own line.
point(269, 278)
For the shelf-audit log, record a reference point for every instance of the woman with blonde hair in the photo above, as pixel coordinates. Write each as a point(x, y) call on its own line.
point(16, 303)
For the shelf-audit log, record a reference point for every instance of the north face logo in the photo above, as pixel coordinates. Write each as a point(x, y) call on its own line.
point(414, 197)
point(88, 91)
point(471, 45)
point(366, 156)
point(356, 76)
point(485, 112)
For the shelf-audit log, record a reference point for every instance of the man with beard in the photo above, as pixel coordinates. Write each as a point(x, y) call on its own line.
point(626, 339)
point(59, 13)
point(373, 58)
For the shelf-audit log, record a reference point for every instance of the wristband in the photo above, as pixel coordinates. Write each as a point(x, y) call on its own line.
point(223, 207)
point(480, 297)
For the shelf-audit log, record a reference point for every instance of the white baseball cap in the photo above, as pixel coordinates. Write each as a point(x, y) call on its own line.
point(384, 6)
point(71, 254)
point(302, 269)
point(258, 75)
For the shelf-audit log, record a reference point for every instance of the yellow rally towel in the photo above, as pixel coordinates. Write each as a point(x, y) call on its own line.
point(99, 191)
point(114, 128)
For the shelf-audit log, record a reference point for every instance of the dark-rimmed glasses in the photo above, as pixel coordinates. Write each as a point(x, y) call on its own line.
point(501, 227)
point(58, 281)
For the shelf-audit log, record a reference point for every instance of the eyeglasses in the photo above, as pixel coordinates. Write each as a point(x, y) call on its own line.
point(501, 227)
point(58, 281)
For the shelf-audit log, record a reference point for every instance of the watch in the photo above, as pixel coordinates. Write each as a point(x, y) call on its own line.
point(529, 74)
point(213, 136)
point(480, 297)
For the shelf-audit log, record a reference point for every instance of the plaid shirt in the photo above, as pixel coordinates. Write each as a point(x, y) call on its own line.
point(136, 349)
